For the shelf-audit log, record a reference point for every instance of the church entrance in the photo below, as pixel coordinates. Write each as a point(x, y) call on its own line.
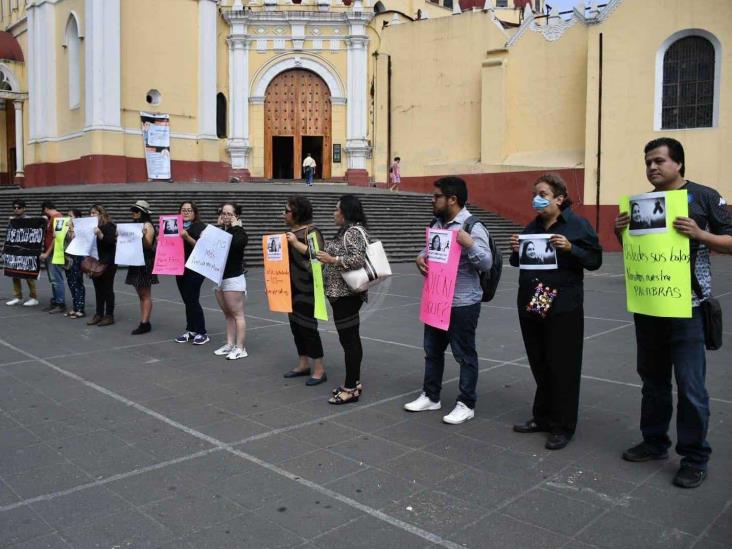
point(297, 121)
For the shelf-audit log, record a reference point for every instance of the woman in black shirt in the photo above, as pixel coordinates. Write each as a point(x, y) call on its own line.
point(190, 282)
point(551, 314)
point(106, 233)
point(233, 288)
point(298, 215)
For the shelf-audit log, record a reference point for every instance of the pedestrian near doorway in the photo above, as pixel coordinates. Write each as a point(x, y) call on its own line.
point(308, 166)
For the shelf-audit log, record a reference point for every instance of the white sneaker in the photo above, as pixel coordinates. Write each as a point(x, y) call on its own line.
point(422, 404)
point(237, 353)
point(225, 350)
point(32, 302)
point(460, 414)
point(13, 301)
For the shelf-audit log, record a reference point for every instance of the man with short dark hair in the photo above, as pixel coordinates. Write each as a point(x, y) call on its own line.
point(32, 301)
point(666, 344)
point(448, 205)
point(55, 272)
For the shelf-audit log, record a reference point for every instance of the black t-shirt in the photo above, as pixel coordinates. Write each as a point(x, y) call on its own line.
point(568, 277)
point(194, 231)
point(107, 245)
point(235, 260)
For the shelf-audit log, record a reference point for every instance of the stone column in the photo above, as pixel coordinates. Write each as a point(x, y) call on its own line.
point(19, 139)
point(102, 65)
point(357, 145)
point(207, 69)
point(238, 144)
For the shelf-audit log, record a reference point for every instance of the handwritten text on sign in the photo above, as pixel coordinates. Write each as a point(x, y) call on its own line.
point(657, 270)
point(208, 258)
point(439, 284)
point(169, 256)
point(277, 272)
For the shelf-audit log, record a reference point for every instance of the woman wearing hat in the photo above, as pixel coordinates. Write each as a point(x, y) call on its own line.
point(142, 277)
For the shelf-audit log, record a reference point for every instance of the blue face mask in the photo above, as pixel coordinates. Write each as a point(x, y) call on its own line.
point(539, 202)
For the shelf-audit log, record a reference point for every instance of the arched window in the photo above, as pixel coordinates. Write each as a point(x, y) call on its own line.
point(73, 58)
point(220, 115)
point(688, 83)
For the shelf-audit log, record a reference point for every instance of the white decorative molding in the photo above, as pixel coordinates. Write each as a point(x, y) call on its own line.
point(319, 66)
point(661, 53)
point(73, 61)
point(261, 45)
point(334, 45)
point(555, 27)
point(607, 11)
point(238, 145)
point(9, 76)
point(278, 44)
point(357, 145)
point(19, 142)
point(102, 63)
point(317, 44)
point(207, 68)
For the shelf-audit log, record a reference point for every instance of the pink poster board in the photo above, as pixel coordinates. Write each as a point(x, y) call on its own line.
point(169, 256)
point(439, 284)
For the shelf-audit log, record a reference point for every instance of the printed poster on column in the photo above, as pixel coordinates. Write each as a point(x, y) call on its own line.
point(23, 245)
point(656, 256)
point(208, 257)
point(156, 140)
point(443, 256)
point(129, 244)
point(60, 228)
point(85, 241)
point(169, 255)
point(321, 311)
point(277, 273)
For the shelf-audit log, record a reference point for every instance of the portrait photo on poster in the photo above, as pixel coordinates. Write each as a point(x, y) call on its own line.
point(647, 214)
point(170, 227)
point(438, 245)
point(59, 224)
point(536, 252)
point(274, 247)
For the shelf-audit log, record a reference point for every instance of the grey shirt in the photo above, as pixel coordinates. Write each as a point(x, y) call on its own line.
point(472, 260)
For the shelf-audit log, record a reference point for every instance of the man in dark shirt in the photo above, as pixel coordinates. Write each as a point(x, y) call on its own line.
point(678, 343)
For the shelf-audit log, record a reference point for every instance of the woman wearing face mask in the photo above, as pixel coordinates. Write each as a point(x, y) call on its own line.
point(106, 233)
point(190, 282)
point(74, 276)
point(141, 276)
point(551, 315)
point(231, 292)
point(345, 252)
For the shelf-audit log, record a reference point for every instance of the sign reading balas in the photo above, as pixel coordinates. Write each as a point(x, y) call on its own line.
point(656, 257)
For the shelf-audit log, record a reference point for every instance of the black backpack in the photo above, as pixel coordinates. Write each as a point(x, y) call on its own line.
point(488, 279)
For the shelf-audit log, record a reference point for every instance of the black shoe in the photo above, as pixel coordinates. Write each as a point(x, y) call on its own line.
point(316, 380)
point(49, 308)
point(644, 452)
point(557, 441)
point(529, 427)
point(143, 328)
point(295, 373)
point(689, 477)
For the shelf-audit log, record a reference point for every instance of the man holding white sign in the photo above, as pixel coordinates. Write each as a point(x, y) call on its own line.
point(665, 344)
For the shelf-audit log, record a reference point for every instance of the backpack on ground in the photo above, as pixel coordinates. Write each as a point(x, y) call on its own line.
point(488, 279)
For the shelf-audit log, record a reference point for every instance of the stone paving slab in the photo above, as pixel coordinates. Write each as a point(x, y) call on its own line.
point(112, 440)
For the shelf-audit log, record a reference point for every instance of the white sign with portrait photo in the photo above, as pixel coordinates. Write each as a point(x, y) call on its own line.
point(536, 252)
point(438, 247)
point(647, 214)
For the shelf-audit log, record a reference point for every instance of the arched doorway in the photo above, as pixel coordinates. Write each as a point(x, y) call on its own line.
point(297, 121)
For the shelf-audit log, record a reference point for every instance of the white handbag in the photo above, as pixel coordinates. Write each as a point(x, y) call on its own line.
point(374, 270)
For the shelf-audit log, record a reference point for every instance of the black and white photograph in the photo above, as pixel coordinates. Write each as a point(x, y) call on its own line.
point(536, 252)
point(59, 224)
point(439, 245)
point(170, 227)
point(274, 247)
point(647, 214)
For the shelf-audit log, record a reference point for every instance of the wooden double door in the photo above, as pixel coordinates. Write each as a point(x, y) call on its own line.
point(297, 121)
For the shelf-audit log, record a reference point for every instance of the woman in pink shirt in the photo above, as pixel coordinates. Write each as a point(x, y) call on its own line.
point(395, 174)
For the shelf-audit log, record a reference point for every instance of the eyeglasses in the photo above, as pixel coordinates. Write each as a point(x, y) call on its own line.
point(186, 211)
point(288, 211)
point(19, 207)
point(436, 196)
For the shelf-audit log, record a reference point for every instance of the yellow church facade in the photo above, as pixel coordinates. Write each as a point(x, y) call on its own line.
point(496, 91)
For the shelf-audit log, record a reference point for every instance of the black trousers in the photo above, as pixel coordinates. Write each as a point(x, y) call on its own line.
point(189, 286)
point(304, 325)
point(104, 291)
point(554, 348)
point(345, 316)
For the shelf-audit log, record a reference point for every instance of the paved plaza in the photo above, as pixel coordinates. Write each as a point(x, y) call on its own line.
point(109, 440)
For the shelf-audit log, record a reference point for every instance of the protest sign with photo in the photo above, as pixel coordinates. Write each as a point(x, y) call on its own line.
point(169, 255)
point(277, 273)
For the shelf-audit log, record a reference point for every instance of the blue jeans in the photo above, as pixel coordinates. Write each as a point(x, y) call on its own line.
point(678, 343)
point(56, 278)
point(461, 337)
point(309, 173)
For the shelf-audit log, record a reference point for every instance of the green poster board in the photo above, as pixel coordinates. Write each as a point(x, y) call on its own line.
point(656, 256)
point(60, 228)
point(321, 312)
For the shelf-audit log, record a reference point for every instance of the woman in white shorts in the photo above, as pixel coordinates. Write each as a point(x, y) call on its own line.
point(230, 294)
